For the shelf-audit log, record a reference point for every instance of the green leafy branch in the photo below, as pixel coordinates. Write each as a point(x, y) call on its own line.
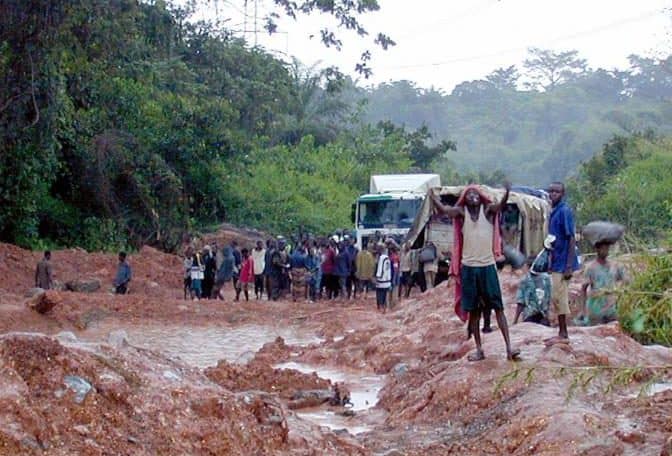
point(584, 376)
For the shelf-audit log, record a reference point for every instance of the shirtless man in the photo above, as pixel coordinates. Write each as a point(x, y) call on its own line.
point(475, 216)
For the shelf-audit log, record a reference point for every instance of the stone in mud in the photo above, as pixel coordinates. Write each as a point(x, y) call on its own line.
point(79, 386)
point(81, 429)
point(43, 302)
point(83, 285)
point(118, 339)
point(631, 437)
point(400, 369)
point(92, 315)
point(66, 337)
point(392, 452)
point(34, 292)
point(172, 376)
point(309, 398)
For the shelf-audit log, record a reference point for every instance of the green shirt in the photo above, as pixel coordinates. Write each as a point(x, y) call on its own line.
point(534, 292)
point(601, 278)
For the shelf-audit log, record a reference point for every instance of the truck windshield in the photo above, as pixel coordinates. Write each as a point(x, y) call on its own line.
point(388, 213)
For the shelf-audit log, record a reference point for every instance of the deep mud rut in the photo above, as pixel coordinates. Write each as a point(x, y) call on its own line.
point(170, 376)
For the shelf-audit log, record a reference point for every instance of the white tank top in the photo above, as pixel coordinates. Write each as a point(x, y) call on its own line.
point(477, 237)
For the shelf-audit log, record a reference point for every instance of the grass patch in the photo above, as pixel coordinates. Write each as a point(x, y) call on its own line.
point(645, 306)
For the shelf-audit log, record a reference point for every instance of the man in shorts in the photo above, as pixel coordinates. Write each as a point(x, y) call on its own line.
point(564, 260)
point(473, 261)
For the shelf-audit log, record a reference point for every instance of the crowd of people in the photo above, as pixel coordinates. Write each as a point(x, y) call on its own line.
point(333, 268)
point(330, 268)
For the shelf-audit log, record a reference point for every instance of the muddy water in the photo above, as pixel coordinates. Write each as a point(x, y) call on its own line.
point(364, 389)
point(204, 346)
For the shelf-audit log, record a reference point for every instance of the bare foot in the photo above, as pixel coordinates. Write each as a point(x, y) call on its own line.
point(478, 355)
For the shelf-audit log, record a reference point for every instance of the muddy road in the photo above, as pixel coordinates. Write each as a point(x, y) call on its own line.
point(151, 373)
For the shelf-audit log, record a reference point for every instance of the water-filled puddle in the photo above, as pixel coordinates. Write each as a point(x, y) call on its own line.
point(204, 346)
point(364, 389)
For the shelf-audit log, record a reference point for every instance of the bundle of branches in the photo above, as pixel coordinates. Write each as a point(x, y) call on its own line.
point(645, 307)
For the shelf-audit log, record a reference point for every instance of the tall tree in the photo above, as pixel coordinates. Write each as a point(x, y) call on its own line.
point(548, 69)
point(504, 78)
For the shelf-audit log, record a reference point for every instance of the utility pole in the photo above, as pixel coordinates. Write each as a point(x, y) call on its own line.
point(255, 22)
point(244, 19)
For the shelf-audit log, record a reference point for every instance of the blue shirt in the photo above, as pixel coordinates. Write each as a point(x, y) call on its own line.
point(298, 260)
point(313, 263)
point(562, 227)
point(342, 268)
point(124, 274)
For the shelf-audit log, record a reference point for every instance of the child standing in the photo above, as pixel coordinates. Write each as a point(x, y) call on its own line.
point(383, 277)
point(246, 275)
point(602, 277)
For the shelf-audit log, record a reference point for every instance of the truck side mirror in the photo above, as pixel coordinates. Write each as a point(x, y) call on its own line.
point(353, 210)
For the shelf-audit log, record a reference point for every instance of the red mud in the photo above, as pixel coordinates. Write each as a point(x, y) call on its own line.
point(259, 375)
point(559, 400)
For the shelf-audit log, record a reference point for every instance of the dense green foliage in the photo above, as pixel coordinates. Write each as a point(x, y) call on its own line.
point(629, 182)
point(536, 126)
point(123, 123)
point(645, 307)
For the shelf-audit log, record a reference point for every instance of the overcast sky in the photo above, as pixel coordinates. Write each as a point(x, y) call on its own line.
point(441, 43)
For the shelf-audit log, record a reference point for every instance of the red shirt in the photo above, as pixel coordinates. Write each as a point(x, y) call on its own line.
point(394, 259)
point(247, 271)
point(329, 262)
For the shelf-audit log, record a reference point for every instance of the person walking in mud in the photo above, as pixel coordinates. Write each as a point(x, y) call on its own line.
point(43, 272)
point(259, 260)
point(383, 277)
point(197, 274)
point(602, 278)
point(298, 268)
point(124, 275)
point(246, 275)
point(564, 260)
point(224, 273)
point(477, 244)
point(210, 264)
point(239, 262)
point(365, 267)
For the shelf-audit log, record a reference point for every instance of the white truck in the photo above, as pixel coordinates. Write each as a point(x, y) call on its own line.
point(390, 207)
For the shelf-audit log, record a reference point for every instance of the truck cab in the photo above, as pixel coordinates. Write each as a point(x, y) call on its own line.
point(391, 206)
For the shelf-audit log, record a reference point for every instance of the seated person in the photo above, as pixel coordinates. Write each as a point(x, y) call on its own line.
point(601, 278)
point(534, 296)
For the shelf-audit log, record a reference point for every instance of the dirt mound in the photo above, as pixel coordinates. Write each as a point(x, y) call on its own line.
point(154, 273)
point(262, 377)
point(88, 400)
point(564, 399)
point(226, 233)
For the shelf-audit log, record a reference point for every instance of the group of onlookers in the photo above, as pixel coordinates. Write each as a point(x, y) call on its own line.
point(335, 269)
point(313, 269)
